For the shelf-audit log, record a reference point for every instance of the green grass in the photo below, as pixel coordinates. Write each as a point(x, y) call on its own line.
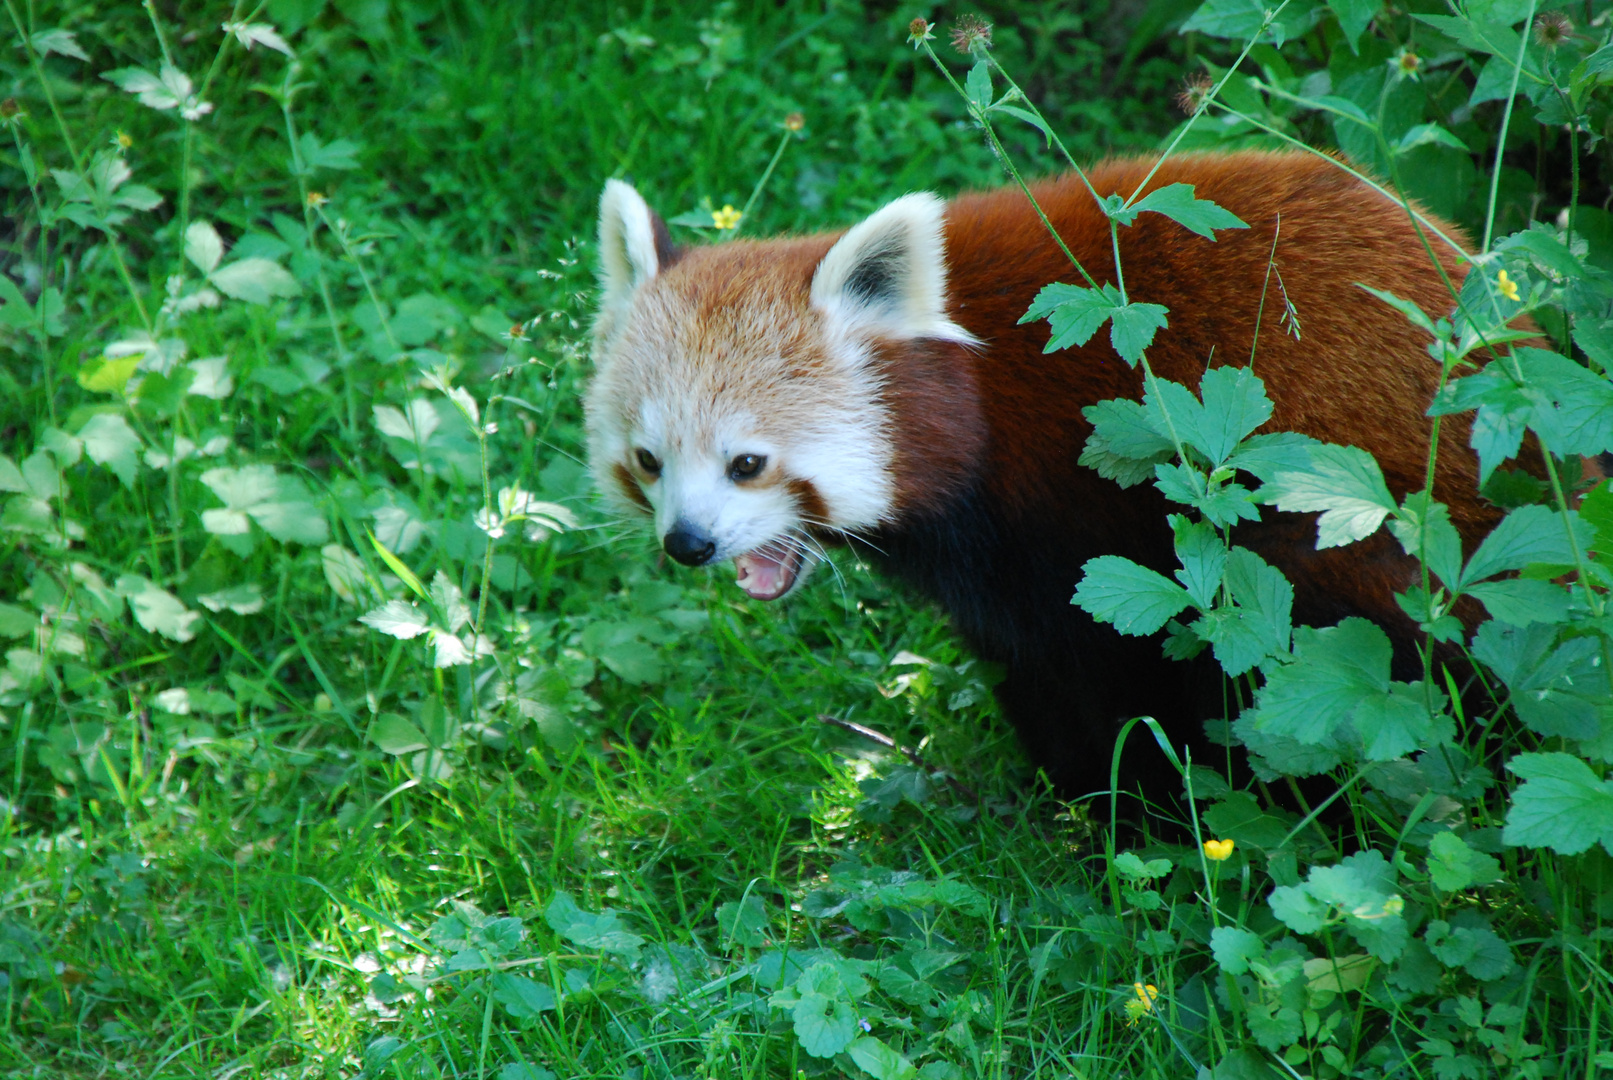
point(243, 834)
point(213, 892)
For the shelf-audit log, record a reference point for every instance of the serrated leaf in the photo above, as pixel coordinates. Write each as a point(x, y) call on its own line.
point(415, 424)
point(525, 998)
point(398, 618)
point(1234, 947)
point(255, 280)
point(1123, 446)
point(149, 89)
point(58, 41)
point(604, 932)
point(203, 246)
point(1561, 804)
point(1354, 17)
point(1454, 866)
point(1133, 327)
point(1344, 483)
point(1179, 203)
point(1073, 312)
point(110, 441)
point(396, 736)
point(880, 1061)
point(1424, 135)
point(1203, 556)
point(1522, 601)
point(244, 599)
point(1528, 535)
point(977, 87)
point(1135, 599)
point(743, 923)
point(250, 34)
point(157, 609)
point(292, 522)
point(1338, 667)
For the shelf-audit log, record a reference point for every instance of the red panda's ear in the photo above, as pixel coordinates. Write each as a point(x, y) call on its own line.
point(633, 243)
point(887, 276)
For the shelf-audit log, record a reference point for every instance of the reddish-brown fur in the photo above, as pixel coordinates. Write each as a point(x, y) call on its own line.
point(994, 516)
point(1359, 374)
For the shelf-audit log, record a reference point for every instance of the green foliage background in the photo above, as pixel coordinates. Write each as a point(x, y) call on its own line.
point(244, 833)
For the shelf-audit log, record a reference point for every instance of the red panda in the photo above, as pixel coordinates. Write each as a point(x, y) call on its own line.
point(763, 400)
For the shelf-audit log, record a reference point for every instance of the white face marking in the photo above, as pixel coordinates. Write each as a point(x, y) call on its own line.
point(731, 351)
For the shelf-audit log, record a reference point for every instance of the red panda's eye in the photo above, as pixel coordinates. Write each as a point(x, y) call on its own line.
point(745, 466)
point(648, 462)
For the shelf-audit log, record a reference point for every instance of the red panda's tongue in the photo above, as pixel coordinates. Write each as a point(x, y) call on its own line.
point(768, 572)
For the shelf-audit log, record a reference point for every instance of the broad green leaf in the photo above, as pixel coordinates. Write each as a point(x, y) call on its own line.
point(255, 280)
point(1345, 484)
point(977, 87)
point(397, 736)
point(110, 441)
point(1521, 601)
point(1132, 597)
point(398, 618)
point(1234, 947)
point(824, 1020)
point(1297, 909)
point(1528, 535)
point(1561, 804)
point(604, 931)
point(1354, 16)
point(58, 41)
point(1424, 135)
point(203, 246)
point(414, 425)
point(1075, 313)
point(250, 34)
point(1476, 949)
point(1338, 668)
point(1181, 205)
point(743, 922)
point(338, 154)
point(449, 602)
point(16, 621)
point(1455, 866)
point(1423, 527)
point(525, 998)
point(157, 609)
point(1123, 446)
point(1133, 328)
point(880, 1061)
point(1555, 687)
point(1203, 557)
point(243, 599)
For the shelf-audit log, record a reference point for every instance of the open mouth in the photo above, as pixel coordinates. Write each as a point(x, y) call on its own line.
point(771, 570)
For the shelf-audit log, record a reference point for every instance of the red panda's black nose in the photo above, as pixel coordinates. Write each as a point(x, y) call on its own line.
point(688, 546)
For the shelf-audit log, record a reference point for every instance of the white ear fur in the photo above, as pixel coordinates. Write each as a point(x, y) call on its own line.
point(626, 242)
point(888, 274)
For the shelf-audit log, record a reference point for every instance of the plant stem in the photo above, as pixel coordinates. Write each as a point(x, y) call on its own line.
point(756, 192)
point(1506, 121)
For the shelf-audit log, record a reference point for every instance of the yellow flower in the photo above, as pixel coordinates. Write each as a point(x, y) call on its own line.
point(1509, 288)
point(726, 218)
point(123, 140)
point(794, 122)
point(1218, 850)
point(317, 198)
point(1142, 1003)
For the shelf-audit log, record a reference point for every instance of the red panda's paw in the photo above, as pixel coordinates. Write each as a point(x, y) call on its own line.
point(770, 571)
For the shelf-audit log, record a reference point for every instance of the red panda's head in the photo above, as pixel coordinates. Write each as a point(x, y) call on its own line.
point(736, 396)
